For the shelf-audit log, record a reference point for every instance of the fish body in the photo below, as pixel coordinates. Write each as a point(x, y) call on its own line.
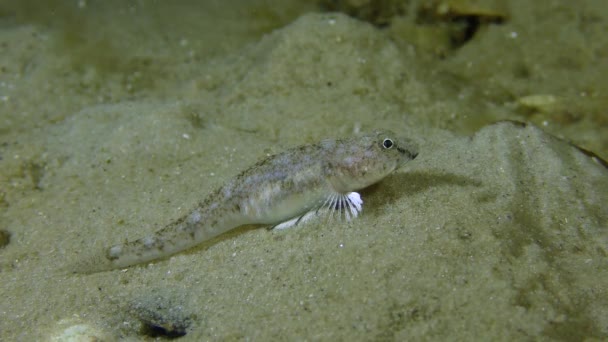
point(285, 187)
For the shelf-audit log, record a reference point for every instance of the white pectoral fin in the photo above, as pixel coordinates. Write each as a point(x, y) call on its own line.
point(356, 203)
point(347, 206)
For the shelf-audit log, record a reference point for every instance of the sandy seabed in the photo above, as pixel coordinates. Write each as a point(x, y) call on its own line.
point(116, 119)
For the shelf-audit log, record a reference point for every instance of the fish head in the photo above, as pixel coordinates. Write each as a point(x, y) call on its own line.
point(361, 161)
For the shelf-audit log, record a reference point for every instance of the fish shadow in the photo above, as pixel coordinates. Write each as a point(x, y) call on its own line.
point(400, 185)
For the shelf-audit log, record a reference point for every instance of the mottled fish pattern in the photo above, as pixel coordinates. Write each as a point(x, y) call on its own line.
point(281, 191)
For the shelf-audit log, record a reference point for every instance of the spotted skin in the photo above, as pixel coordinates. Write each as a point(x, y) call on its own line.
point(285, 187)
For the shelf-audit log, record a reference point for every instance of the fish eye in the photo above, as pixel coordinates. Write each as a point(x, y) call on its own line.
point(387, 143)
